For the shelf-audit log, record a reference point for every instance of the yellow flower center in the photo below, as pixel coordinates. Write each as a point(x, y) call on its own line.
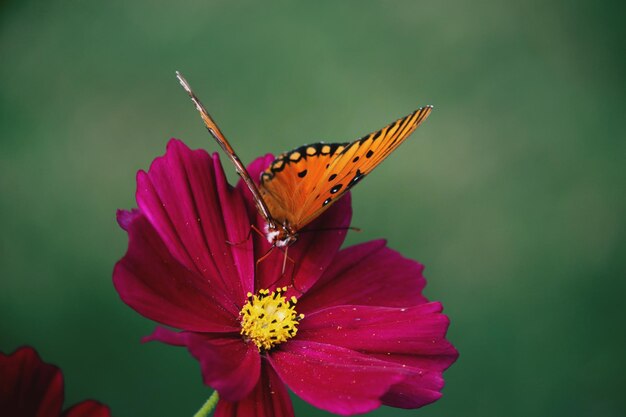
point(269, 319)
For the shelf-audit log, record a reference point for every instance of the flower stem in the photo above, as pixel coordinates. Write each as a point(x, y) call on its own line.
point(208, 406)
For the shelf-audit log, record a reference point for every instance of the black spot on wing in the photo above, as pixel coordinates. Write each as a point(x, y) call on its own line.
point(328, 200)
point(332, 177)
point(302, 174)
point(279, 164)
point(298, 154)
point(369, 154)
point(358, 177)
point(336, 188)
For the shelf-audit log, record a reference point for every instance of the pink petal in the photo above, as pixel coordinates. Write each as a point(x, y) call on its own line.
point(157, 286)
point(186, 198)
point(269, 398)
point(417, 391)
point(309, 257)
point(411, 330)
point(126, 217)
point(412, 337)
point(228, 365)
point(314, 251)
point(167, 336)
point(333, 378)
point(234, 211)
point(367, 274)
point(88, 408)
point(28, 386)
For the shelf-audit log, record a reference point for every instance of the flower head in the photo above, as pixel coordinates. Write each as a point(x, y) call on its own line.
point(346, 330)
point(32, 388)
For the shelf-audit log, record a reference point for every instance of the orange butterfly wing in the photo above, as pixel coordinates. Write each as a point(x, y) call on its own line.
point(300, 185)
point(287, 183)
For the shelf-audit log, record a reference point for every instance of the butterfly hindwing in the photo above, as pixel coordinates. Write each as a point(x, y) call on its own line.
point(301, 184)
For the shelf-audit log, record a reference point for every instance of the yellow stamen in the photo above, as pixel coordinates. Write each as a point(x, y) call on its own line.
point(269, 319)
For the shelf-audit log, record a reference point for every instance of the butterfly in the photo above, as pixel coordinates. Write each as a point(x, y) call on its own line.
point(301, 184)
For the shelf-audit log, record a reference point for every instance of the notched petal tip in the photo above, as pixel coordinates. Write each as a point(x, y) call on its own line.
point(126, 217)
point(169, 337)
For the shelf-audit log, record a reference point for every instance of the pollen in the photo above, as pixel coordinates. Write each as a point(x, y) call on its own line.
point(269, 319)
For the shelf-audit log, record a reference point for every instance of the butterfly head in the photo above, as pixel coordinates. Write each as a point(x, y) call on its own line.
point(280, 235)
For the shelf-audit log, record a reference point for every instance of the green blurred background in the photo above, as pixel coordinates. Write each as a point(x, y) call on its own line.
point(512, 194)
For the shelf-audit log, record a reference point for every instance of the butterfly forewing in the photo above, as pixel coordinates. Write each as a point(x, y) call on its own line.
point(219, 137)
point(303, 183)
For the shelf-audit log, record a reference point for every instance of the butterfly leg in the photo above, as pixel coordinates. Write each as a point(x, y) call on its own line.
point(293, 283)
point(264, 257)
point(253, 228)
point(284, 266)
point(285, 261)
point(293, 270)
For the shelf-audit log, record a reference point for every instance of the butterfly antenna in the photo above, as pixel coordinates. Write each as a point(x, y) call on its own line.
point(217, 134)
point(330, 229)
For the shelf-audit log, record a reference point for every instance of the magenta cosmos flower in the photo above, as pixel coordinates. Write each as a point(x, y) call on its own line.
point(32, 388)
point(346, 330)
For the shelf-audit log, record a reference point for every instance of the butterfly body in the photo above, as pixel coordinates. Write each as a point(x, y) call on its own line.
point(281, 235)
point(301, 184)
